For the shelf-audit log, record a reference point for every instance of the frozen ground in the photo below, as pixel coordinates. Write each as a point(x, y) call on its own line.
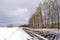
point(51, 34)
point(20, 34)
point(13, 34)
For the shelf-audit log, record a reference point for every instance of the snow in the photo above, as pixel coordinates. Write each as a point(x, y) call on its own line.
point(13, 34)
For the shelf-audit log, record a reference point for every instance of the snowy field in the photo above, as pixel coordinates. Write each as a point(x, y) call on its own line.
point(20, 34)
point(13, 34)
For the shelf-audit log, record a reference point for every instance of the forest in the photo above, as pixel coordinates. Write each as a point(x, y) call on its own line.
point(47, 15)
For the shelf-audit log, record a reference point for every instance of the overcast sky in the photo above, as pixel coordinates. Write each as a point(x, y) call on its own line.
point(16, 12)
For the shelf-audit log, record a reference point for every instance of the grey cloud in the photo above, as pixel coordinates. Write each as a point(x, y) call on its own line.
point(10, 11)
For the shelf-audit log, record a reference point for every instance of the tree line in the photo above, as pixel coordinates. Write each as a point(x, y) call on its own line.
point(47, 15)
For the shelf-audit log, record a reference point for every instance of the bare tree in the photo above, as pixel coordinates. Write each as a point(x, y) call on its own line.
point(10, 25)
point(35, 20)
point(52, 15)
point(47, 15)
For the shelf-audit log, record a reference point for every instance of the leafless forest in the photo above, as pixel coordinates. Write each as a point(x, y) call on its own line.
point(47, 15)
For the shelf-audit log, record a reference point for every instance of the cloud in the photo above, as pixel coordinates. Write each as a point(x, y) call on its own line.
point(16, 11)
point(18, 16)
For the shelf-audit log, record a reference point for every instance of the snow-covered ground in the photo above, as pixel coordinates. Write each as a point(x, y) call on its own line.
point(13, 34)
point(52, 33)
point(20, 34)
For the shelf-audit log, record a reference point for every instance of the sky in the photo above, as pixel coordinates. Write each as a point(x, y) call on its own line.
point(17, 12)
